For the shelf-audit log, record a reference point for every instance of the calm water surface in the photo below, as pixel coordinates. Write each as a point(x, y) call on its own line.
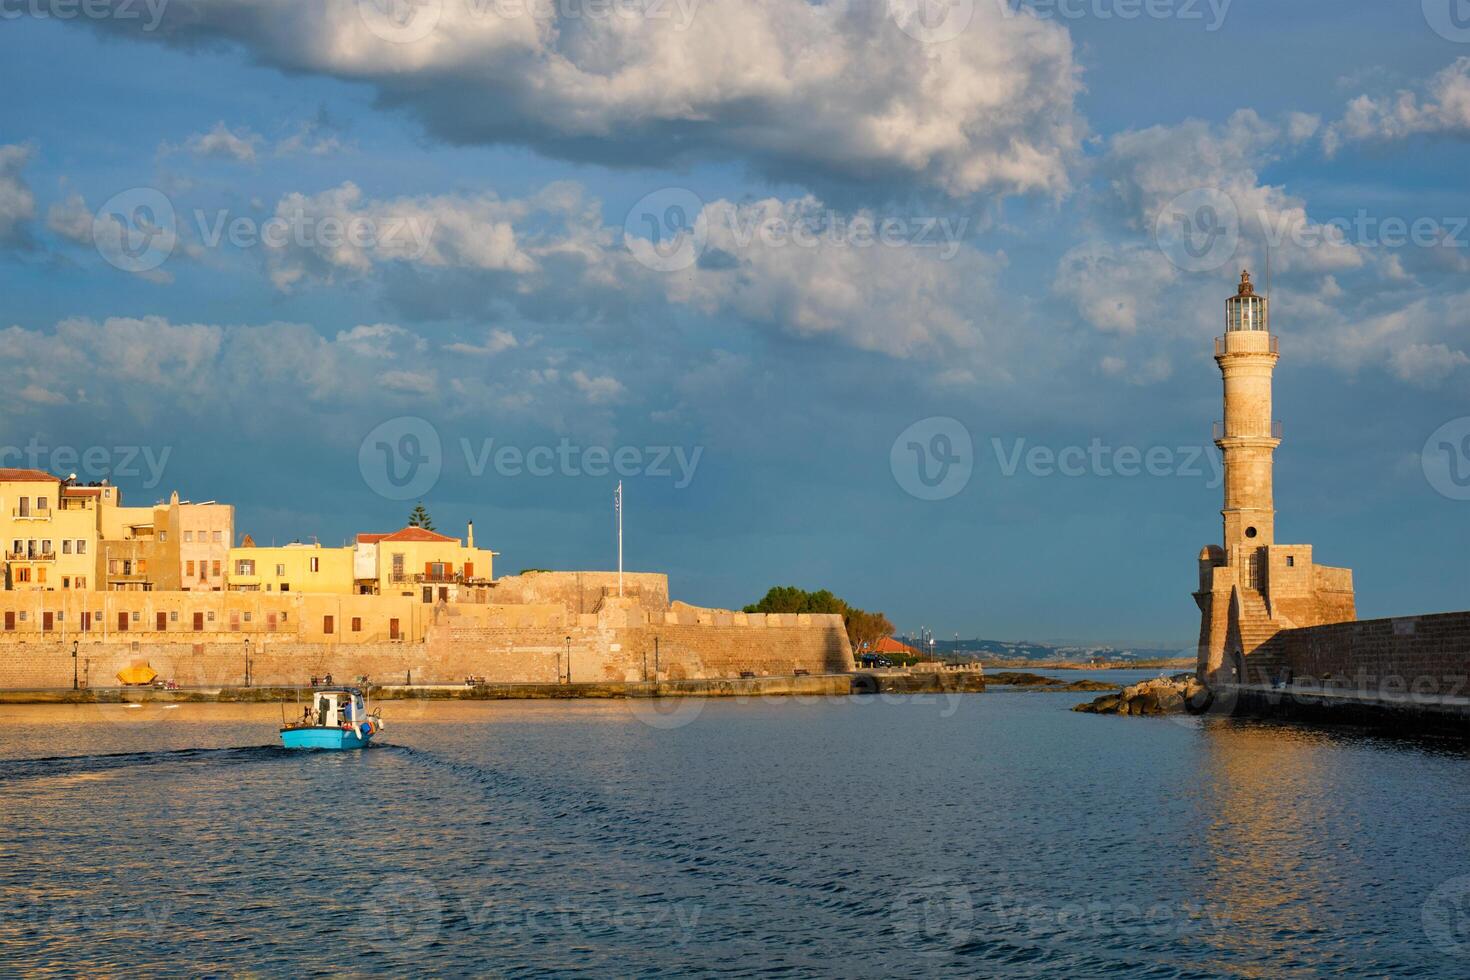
point(993, 834)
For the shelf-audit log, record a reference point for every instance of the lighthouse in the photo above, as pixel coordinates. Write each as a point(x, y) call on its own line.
point(1247, 437)
point(1251, 587)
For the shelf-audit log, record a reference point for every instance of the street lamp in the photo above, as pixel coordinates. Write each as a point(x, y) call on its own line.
point(74, 665)
point(655, 658)
point(247, 662)
point(569, 660)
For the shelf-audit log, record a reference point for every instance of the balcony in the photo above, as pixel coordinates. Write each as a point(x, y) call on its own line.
point(1247, 430)
point(30, 556)
point(29, 514)
point(1273, 345)
point(423, 579)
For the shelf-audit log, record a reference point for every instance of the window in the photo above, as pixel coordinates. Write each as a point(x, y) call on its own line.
point(216, 569)
point(137, 616)
point(65, 582)
point(188, 537)
point(142, 566)
point(162, 536)
point(81, 546)
point(46, 547)
point(234, 620)
point(81, 581)
point(280, 570)
point(173, 617)
point(356, 624)
point(316, 565)
point(114, 567)
point(245, 566)
point(1250, 532)
point(217, 539)
point(327, 625)
point(41, 504)
point(1291, 561)
point(285, 586)
point(189, 568)
point(19, 546)
point(247, 617)
point(66, 546)
point(397, 568)
point(41, 575)
point(22, 575)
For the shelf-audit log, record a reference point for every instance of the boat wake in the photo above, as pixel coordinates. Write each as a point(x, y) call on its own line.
point(12, 770)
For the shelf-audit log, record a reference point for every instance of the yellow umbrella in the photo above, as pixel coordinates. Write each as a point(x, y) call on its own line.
point(137, 674)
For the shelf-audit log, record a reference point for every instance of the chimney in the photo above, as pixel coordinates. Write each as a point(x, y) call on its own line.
point(470, 539)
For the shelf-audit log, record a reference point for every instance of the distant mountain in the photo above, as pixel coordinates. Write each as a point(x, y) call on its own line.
point(1030, 650)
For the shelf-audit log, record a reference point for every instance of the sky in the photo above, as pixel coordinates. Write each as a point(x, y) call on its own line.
point(914, 301)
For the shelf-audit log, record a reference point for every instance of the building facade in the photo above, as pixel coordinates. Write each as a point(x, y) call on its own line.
point(207, 532)
point(1251, 587)
point(307, 568)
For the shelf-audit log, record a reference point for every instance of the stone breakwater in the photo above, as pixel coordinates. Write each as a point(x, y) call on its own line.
point(1159, 696)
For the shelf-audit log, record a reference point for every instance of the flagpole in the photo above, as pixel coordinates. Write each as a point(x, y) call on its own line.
point(620, 538)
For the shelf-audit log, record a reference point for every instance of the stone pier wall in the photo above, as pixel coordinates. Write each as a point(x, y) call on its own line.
point(508, 654)
point(1410, 654)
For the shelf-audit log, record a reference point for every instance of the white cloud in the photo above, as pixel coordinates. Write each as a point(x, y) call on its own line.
point(340, 233)
point(597, 390)
point(1150, 168)
point(71, 219)
point(1443, 109)
point(916, 296)
point(497, 342)
point(831, 90)
point(17, 203)
point(408, 382)
point(223, 143)
point(916, 293)
point(1427, 365)
point(1114, 286)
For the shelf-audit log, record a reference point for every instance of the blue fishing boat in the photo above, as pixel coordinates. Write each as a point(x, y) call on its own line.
point(336, 718)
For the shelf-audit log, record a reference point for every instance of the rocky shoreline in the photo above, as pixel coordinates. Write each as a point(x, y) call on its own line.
point(1158, 696)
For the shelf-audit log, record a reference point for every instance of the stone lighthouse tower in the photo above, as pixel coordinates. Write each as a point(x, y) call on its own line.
point(1247, 438)
point(1251, 587)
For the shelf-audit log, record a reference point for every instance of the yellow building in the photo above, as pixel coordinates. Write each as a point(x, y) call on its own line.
point(308, 568)
point(29, 501)
point(422, 563)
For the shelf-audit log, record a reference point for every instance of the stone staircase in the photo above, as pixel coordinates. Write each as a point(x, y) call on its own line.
point(1257, 628)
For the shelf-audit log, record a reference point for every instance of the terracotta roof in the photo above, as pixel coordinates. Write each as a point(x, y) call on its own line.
point(27, 476)
point(247, 542)
point(370, 538)
point(889, 645)
point(417, 534)
point(81, 491)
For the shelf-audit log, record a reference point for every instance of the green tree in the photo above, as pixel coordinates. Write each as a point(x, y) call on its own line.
point(863, 627)
point(421, 518)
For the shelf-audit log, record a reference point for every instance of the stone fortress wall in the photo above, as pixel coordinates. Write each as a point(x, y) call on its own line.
point(536, 628)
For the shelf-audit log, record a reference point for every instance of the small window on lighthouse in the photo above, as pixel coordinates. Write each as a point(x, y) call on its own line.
point(1291, 561)
point(1250, 532)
